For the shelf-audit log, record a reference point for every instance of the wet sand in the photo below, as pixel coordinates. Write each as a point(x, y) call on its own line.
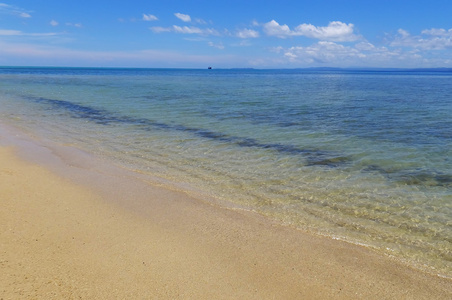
point(70, 229)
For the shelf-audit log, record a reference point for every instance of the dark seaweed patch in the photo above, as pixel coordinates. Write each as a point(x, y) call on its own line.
point(427, 179)
point(329, 161)
point(413, 177)
point(104, 117)
point(99, 116)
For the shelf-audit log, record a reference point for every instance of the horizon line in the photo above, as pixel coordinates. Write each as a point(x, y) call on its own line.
point(209, 68)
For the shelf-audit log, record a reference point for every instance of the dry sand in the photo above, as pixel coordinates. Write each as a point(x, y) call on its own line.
point(128, 239)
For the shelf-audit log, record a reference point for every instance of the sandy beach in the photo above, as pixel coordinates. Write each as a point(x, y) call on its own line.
point(70, 229)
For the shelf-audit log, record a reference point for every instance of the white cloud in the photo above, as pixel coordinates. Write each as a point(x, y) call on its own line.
point(403, 32)
point(437, 32)
point(78, 25)
point(333, 54)
point(7, 32)
point(218, 45)
point(429, 39)
point(14, 10)
point(276, 49)
point(365, 46)
point(429, 48)
point(243, 43)
point(322, 52)
point(54, 23)
point(363, 54)
point(247, 33)
point(185, 18)
point(335, 31)
point(149, 17)
point(201, 21)
point(31, 54)
point(185, 30)
point(273, 28)
point(25, 15)
point(158, 29)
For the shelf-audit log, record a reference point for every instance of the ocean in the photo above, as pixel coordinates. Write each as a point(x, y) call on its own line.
point(358, 155)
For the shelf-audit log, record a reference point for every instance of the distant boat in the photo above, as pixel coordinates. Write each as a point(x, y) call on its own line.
point(210, 68)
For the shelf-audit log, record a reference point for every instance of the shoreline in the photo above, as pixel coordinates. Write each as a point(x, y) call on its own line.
point(73, 227)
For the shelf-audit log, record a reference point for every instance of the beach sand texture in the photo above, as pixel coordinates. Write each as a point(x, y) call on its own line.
point(60, 239)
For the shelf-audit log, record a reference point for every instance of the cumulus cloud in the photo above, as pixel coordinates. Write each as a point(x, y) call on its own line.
point(428, 39)
point(149, 17)
point(431, 47)
point(334, 54)
point(365, 46)
point(437, 32)
point(183, 17)
point(273, 28)
point(247, 33)
point(335, 31)
point(322, 52)
point(403, 32)
point(54, 23)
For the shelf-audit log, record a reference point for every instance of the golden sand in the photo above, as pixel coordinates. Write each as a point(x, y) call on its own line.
point(60, 239)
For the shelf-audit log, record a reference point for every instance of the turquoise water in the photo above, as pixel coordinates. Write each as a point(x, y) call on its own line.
point(364, 156)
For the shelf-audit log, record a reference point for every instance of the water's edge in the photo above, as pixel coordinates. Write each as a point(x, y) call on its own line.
point(74, 164)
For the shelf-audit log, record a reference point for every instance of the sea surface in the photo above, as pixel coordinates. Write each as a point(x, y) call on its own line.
point(359, 155)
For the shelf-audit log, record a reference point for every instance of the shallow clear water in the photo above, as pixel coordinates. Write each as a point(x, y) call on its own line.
point(359, 155)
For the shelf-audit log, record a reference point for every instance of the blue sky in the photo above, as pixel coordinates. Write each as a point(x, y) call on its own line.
point(226, 34)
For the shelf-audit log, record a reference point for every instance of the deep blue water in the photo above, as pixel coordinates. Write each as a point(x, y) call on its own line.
point(362, 155)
